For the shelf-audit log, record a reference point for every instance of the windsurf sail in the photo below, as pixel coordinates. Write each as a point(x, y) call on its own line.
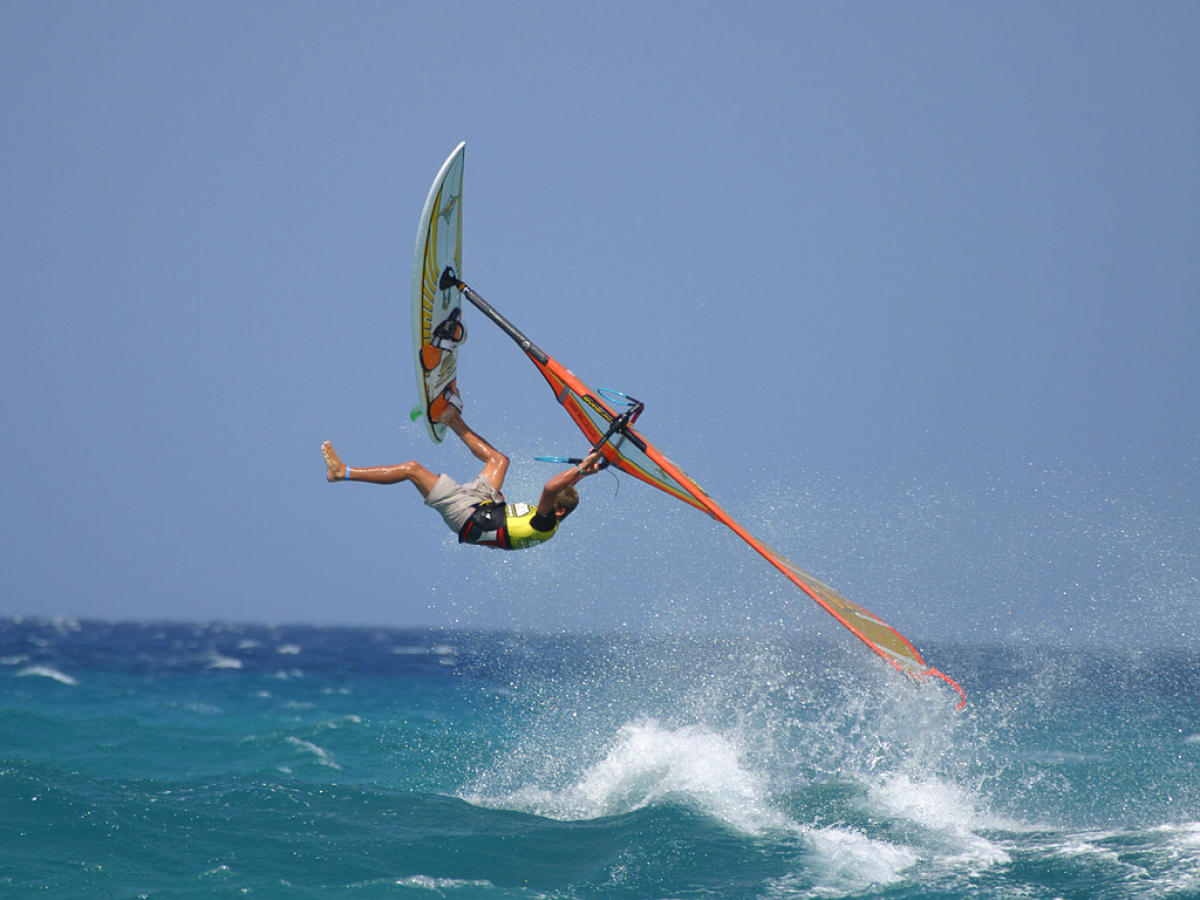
point(610, 431)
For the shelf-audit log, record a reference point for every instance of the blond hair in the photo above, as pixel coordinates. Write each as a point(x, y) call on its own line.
point(566, 500)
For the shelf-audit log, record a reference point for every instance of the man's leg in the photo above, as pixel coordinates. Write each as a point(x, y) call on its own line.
point(423, 480)
point(495, 463)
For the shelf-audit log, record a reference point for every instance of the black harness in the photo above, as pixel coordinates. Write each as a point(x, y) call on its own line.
point(485, 525)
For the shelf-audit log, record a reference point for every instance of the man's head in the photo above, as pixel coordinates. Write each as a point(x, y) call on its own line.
point(565, 502)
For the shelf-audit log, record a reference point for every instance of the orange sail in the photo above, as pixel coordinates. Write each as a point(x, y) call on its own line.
point(612, 433)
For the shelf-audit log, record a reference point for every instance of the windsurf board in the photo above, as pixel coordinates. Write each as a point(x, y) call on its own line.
point(437, 311)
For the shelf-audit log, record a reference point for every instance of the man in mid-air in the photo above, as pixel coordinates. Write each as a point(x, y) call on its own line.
point(476, 511)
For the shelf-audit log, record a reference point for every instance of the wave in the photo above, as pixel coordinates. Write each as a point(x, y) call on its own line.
point(648, 763)
point(46, 672)
point(358, 840)
point(320, 753)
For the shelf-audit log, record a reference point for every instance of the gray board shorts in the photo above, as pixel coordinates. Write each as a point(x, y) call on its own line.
point(456, 502)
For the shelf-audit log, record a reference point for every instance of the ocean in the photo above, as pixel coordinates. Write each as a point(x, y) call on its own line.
point(177, 761)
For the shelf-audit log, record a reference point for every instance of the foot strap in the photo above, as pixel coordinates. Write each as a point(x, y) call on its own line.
point(450, 332)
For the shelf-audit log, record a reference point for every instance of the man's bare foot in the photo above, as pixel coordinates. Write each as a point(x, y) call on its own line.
point(448, 414)
point(447, 407)
point(335, 468)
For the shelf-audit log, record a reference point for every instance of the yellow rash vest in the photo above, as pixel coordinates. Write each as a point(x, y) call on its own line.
point(512, 526)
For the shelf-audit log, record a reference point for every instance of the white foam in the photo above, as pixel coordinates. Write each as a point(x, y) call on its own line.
point(217, 661)
point(320, 753)
point(46, 672)
point(647, 763)
point(947, 809)
point(1187, 834)
point(850, 863)
point(928, 801)
point(204, 709)
point(439, 884)
point(1181, 860)
point(409, 650)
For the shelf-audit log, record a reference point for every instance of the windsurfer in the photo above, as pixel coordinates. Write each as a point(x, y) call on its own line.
point(477, 511)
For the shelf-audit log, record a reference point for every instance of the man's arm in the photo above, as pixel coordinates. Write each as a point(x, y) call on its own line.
point(564, 479)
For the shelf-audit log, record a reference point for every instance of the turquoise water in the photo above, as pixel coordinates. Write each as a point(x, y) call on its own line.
point(190, 761)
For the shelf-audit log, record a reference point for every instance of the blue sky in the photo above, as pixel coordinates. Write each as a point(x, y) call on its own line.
point(911, 289)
